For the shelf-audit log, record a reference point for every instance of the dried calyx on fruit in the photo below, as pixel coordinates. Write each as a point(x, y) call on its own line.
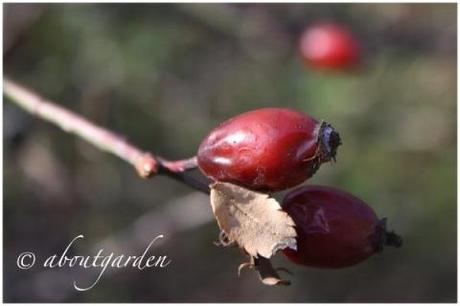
point(334, 228)
point(267, 149)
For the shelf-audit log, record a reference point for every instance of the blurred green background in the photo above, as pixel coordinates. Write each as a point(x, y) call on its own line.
point(163, 75)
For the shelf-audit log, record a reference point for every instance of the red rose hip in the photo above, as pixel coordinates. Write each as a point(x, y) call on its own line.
point(329, 45)
point(334, 228)
point(267, 149)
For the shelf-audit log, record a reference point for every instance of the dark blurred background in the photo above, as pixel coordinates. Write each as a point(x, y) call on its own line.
point(163, 75)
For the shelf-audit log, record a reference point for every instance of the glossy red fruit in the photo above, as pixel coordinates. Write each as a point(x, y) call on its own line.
point(329, 45)
point(267, 149)
point(334, 228)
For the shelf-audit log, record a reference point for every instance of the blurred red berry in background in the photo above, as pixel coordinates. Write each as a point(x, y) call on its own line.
point(329, 45)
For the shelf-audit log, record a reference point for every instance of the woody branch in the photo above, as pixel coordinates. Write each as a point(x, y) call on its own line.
point(145, 163)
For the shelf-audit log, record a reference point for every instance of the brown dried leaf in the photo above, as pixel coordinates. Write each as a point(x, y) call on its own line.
point(267, 274)
point(252, 219)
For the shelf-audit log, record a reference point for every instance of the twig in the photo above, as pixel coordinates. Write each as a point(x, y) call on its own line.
point(145, 163)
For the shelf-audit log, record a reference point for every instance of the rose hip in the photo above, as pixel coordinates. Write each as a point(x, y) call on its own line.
point(329, 45)
point(267, 149)
point(334, 228)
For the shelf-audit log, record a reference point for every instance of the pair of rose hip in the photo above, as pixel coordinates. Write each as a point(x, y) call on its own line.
point(273, 149)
